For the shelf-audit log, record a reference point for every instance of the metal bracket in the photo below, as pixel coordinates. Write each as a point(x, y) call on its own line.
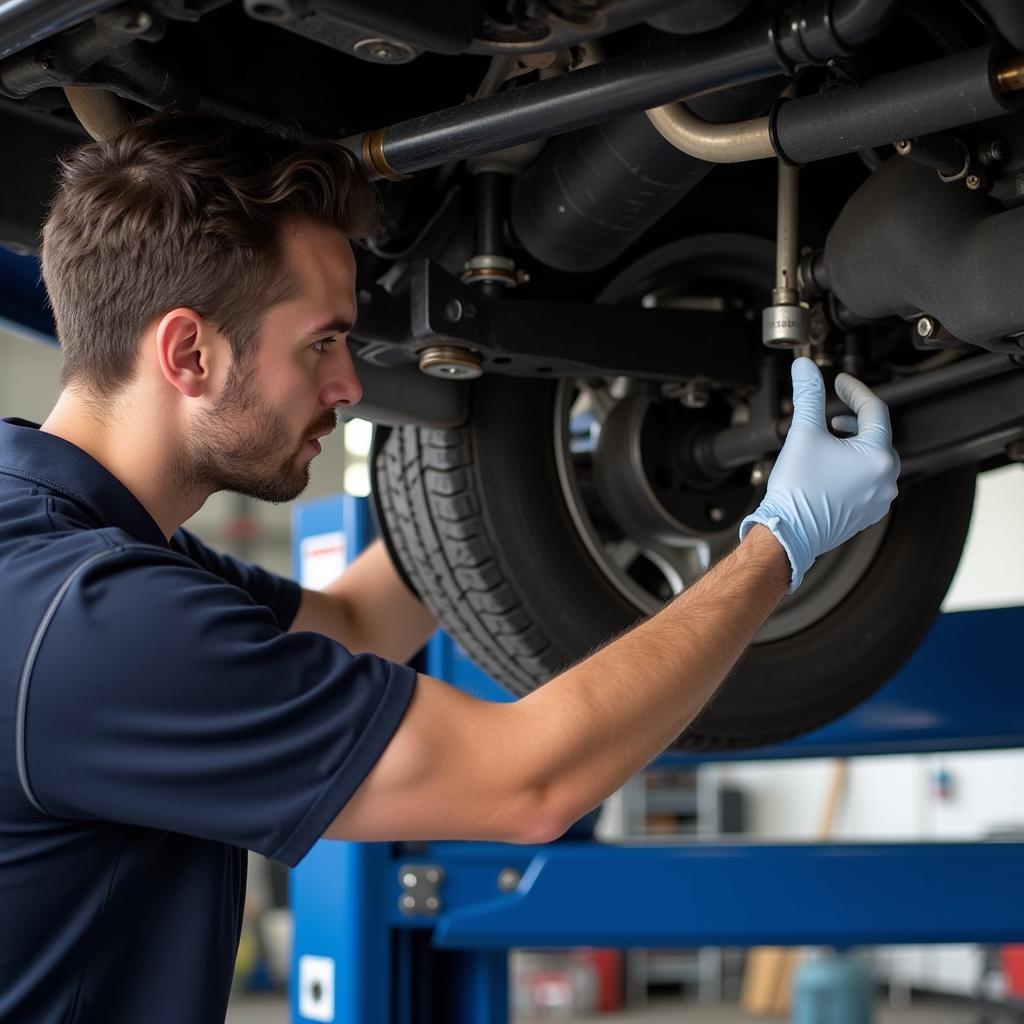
point(421, 889)
point(525, 338)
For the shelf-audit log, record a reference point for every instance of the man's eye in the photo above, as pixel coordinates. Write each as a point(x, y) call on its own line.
point(321, 345)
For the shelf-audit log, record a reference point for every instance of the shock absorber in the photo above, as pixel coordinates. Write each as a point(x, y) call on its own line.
point(491, 268)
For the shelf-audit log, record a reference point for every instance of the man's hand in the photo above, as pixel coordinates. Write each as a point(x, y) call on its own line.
point(823, 490)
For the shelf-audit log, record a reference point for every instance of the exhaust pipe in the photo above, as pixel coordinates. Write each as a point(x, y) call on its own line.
point(776, 42)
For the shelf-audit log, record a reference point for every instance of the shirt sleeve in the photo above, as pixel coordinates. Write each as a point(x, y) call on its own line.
point(282, 596)
point(162, 696)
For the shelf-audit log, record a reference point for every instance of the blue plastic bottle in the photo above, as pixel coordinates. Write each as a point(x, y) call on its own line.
point(833, 988)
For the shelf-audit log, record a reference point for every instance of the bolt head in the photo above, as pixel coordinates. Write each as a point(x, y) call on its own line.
point(408, 902)
point(904, 146)
point(716, 514)
point(926, 327)
point(509, 879)
point(973, 182)
point(453, 311)
point(383, 51)
point(695, 396)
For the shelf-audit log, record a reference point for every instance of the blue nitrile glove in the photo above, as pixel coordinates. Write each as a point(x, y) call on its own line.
point(823, 489)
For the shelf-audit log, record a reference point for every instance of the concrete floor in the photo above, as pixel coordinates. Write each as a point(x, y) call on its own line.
point(274, 1010)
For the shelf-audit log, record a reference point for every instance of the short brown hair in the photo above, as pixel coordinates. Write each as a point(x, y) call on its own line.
point(182, 209)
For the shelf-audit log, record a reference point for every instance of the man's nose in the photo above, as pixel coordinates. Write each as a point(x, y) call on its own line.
point(342, 386)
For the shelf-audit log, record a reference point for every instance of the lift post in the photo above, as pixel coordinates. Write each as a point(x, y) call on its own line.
point(397, 933)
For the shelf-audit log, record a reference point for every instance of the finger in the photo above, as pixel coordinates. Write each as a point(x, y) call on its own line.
point(844, 424)
point(808, 393)
point(871, 412)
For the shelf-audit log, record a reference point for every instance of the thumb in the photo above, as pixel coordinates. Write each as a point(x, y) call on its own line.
point(808, 393)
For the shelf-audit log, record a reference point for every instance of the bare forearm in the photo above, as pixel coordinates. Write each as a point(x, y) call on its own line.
point(384, 617)
point(602, 720)
point(369, 608)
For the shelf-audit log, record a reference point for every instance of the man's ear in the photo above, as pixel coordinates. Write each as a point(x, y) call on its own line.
point(189, 351)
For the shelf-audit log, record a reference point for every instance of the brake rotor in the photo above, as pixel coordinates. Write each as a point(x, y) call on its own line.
point(649, 481)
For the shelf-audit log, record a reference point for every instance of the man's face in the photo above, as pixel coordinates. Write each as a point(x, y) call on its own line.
point(256, 440)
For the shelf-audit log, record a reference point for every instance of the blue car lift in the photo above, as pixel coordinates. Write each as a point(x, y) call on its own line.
point(400, 933)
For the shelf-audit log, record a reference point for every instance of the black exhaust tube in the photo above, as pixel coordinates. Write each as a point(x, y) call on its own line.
point(774, 43)
point(594, 192)
point(920, 100)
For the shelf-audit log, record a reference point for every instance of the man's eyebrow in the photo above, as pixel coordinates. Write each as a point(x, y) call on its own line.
point(332, 326)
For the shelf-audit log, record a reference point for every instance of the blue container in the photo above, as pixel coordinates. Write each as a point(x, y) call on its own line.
point(833, 989)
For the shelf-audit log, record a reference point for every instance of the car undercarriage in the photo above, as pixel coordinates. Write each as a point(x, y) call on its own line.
point(606, 228)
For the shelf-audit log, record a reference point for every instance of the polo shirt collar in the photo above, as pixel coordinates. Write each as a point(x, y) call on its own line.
point(58, 465)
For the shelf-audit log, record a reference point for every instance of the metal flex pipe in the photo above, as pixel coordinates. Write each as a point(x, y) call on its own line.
point(716, 143)
point(920, 100)
point(774, 42)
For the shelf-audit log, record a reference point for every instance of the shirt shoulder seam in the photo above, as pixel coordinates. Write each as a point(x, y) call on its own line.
point(25, 679)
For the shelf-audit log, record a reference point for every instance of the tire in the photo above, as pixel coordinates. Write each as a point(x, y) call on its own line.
point(480, 523)
point(476, 518)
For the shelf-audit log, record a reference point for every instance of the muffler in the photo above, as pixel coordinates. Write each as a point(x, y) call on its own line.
point(908, 244)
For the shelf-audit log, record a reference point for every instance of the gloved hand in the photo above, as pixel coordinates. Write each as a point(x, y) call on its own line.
point(823, 490)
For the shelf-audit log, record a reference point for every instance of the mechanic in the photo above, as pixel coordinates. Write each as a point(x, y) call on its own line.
point(166, 707)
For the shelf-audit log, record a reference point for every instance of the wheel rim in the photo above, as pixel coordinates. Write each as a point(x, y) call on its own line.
point(647, 572)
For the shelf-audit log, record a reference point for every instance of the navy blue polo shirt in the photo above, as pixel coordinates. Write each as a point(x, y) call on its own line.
point(157, 722)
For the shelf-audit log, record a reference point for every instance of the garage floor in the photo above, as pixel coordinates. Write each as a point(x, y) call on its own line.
point(274, 1010)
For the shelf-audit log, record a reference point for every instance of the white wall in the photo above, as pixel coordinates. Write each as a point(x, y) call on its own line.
point(991, 573)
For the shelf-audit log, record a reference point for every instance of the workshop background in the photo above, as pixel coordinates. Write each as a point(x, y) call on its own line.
point(898, 797)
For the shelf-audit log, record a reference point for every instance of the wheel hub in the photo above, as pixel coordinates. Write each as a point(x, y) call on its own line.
point(651, 484)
